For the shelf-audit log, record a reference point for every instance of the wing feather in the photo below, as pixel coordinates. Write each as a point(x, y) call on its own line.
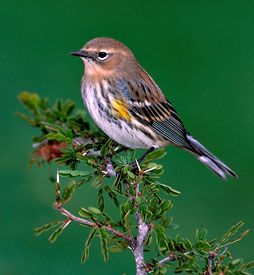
point(157, 113)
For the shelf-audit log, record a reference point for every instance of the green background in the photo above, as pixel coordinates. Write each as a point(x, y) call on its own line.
point(201, 53)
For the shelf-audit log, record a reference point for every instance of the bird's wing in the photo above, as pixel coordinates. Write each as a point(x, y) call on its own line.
point(155, 111)
point(162, 118)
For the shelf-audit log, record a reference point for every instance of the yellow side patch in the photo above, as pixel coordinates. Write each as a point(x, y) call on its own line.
point(121, 110)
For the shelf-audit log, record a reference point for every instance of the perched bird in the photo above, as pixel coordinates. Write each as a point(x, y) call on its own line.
point(127, 104)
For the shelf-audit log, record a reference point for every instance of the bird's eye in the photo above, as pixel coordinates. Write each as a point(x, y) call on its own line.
point(102, 55)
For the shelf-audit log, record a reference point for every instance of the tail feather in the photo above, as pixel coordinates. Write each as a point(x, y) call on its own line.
point(207, 158)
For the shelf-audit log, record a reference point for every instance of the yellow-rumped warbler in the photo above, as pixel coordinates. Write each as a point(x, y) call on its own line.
point(127, 104)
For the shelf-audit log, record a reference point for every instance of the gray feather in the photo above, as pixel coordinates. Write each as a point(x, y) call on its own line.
point(210, 160)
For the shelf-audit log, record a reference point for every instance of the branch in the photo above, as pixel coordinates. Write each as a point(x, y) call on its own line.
point(138, 250)
point(151, 267)
point(143, 229)
point(76, 219)
point(109, 169)
point(211, 257)
point(169, 258)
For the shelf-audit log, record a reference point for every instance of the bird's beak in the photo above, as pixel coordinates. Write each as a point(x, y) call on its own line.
point(84, 54)
point(80, 54)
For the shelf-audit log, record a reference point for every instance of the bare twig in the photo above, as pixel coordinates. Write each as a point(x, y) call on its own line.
point(169, 258)
point(110, 229)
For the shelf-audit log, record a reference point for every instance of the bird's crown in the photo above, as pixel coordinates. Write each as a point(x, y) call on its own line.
point(107, 43)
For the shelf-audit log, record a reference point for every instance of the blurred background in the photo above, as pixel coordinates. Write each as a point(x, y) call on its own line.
point(201, 53)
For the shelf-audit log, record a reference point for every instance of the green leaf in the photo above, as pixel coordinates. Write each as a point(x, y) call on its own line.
point(168, 190)
point(131, 175)
point(104, 243)
point(237, 239)
point(201, 234)
point(28, 119)
point(117, 182)
point(159, 229)
point(108, 219)
point(58, 137)
point(236, 261)
point(232, 230)
point(163, 270)
point(87, 245)
point(202, 245)
point(153, 170)
point(127, 206)
point(112, 194)
point(57, 191)
point(46, 227)
point(124, 211)
point(94, 210)
point(116, 248)
point(188, 245)
point(112, 189)
point(100, 201)
point(138, 200)
point(31, 100)
point(53, 237)
point(74, 173)
point(69, 106)
point(68, 192)
point(145, 212)
point(156, 154)
point(166, 205)
point(85, 213)
point(161, 238)
point(149, 240)
point(248, 265)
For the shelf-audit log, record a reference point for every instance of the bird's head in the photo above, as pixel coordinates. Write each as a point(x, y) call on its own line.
point(104, 56)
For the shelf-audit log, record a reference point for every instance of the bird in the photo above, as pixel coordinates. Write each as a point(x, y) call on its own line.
point(130, 108)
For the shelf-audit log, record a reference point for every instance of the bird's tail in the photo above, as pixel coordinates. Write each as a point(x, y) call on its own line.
point(207, 158)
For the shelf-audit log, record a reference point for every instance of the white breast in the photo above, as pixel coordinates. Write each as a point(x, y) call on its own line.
point(119, 131)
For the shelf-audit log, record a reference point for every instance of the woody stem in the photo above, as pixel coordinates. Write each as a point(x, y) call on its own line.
point(143, 229)
point(138, 249)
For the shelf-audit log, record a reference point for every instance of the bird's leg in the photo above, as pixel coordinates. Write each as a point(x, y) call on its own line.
point(135, 164)
point(150, 150)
